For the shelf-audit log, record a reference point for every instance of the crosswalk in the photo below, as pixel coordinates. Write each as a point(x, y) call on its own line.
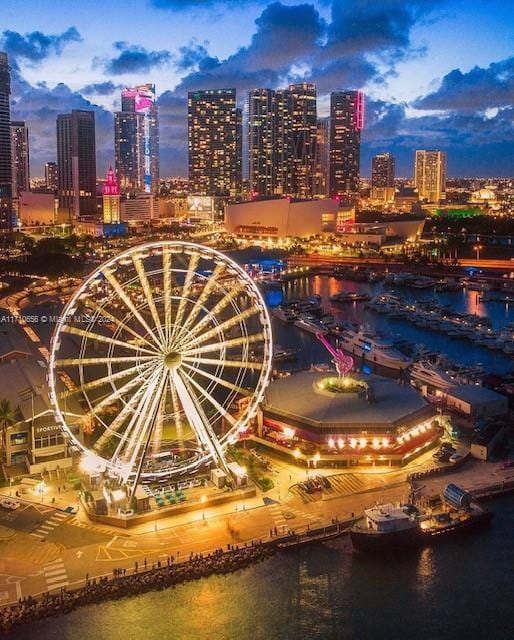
point(55, 575)
point(295, 516)
point(47, 526)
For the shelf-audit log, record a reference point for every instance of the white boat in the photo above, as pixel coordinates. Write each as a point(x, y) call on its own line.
point(310, 324)
point(424, 373)
point(284, 314)
point(373, 348)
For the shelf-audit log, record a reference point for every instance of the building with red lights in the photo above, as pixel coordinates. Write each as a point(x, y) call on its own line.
point(376, 422)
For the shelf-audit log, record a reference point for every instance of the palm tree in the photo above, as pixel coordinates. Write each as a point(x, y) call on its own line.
point(7, 417)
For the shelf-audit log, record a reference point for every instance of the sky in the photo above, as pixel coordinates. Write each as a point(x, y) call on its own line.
point(436, 73)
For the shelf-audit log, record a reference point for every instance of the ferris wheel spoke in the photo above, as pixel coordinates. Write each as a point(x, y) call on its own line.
point(111, 279)
point(108, 340)
point(176, 412)
point(66, 362)
point(185, 295)
point(145, 426)
point(219, 329)
point(167, 283)
point(147, 290)
point(102, 311)
point(117, 423)
point(238, 364)
point(220, 381)
point(218, 308)
point(137, 380)
point(211, 399)
point(99, 382)
point(198, 420)
point(226, 344)
point(135, 411)
point(210, 285)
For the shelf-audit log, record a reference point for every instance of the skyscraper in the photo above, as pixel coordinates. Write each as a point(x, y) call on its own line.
point(346, 123)
point(321, 164)
point(76, 161)
point(303, 127)
point(6, 211)
point(430, 174)
point(111, 199)
point(136, 140)
point(262, 141)
point(382, 170)
point(51, 176)
point(214, 142)
point(20, 157)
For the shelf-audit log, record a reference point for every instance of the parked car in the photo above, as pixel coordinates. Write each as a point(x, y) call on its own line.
point(9, 503)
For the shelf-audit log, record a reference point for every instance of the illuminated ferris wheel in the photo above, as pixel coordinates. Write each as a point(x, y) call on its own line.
point(167, 349)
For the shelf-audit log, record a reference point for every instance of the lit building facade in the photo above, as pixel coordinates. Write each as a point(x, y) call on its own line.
point(20, 157)
point(214, 143)
point(303, 136)
point(382, 170)
point(76, 160)
point(346, 124)
point(430, 175)
point(6, 210)
point(262, 142)
point(322, 153)
point(136, 140)
point(111, 199)
point(51, 176)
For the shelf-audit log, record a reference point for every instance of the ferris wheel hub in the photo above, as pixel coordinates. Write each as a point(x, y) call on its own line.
point(172, 360)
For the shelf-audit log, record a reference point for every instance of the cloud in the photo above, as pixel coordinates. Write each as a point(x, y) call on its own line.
point(35, 46)
point(476, 90)
point(187, 5)
point(100, 88)
point(39, 106)
point(191, 55)
point(132, 58)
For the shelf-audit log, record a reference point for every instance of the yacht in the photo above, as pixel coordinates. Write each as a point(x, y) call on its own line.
point(309, 323)
point(344, 297)
point(424, 373)
point(284, 314)
point(373, 348)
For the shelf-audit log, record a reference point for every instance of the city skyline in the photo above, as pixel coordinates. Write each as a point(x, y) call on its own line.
point(460, 103)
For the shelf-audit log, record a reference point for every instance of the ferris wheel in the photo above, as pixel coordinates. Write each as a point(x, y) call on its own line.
point(167, 350)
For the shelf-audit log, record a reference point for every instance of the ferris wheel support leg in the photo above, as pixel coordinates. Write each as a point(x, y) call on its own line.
point(199, 423)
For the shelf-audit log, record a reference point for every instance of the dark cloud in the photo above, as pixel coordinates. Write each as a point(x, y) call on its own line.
point(35, 46)
point(191, 56)
point(39, 106)
point(132, 58)
point(476, 90)
point(100, 88)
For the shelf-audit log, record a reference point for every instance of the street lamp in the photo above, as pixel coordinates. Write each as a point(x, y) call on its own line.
point(477, 249)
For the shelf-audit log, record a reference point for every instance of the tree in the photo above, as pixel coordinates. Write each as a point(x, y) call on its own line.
point(7, 417)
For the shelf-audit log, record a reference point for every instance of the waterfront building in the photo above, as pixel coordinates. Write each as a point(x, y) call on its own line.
point(346, 124)
point(76, 160)
point(6, 208)
point(51, 176)
point(37, 208)
point(430, 175)
point(214, 143)
point(136, 140)
point(20, 157)
point(111, 199)
point(32, 442)
point(379, 423)
point(283, 217)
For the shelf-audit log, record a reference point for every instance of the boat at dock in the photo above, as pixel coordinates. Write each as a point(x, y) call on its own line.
point(372, 348)
point(386, 527)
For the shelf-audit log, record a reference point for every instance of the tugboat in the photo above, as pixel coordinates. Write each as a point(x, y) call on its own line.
point(391, 528)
